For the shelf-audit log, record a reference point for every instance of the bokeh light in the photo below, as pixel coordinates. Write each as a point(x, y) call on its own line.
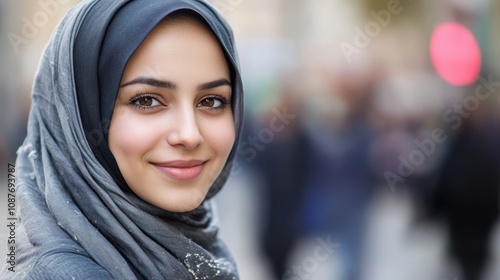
point(455, 54)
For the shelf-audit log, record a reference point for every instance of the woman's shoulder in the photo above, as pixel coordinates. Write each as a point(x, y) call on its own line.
point(64, 266)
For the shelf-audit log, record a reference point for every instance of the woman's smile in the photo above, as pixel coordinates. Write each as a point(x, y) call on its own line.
point(181, 169)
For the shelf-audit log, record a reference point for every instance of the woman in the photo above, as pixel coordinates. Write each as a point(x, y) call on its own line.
point(136, 111)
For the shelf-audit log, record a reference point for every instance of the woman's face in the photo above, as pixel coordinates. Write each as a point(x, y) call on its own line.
point(172, 126)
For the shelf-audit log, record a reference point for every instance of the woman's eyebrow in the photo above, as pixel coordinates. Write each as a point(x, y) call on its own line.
point(214, 84)
point(152, 82)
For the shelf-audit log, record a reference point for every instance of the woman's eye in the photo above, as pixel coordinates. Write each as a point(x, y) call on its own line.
point(215, 102)
point(211, 102)
point(145, 101)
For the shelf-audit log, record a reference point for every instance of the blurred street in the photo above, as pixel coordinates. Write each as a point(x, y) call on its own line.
point(396, 250)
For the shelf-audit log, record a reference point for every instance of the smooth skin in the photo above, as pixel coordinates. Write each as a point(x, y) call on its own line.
point(173, 106)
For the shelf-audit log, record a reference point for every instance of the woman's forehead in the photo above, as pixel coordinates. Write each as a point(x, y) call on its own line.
point(186, 49)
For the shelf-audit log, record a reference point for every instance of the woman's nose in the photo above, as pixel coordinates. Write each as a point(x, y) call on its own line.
point(185, 132)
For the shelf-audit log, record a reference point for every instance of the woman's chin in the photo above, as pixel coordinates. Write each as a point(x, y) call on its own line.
point(182, 204)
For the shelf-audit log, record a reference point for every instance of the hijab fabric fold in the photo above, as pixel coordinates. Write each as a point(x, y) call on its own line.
point(77, 219)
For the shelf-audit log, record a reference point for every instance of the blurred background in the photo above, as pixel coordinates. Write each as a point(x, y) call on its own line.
point(371, 139)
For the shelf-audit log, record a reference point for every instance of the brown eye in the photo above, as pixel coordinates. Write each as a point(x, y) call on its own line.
point(213, 103)
point(207, 102)
point(145, 101)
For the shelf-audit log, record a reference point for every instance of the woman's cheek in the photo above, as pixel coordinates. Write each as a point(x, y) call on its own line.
point(221, 135)
point(131, 133)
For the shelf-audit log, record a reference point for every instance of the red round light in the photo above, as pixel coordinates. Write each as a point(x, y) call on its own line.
point(455, 54)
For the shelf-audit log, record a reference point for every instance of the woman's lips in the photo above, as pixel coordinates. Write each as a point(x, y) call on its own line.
point(182, 170)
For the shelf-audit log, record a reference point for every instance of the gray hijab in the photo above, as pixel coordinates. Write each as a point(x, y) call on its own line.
point(77, 219)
